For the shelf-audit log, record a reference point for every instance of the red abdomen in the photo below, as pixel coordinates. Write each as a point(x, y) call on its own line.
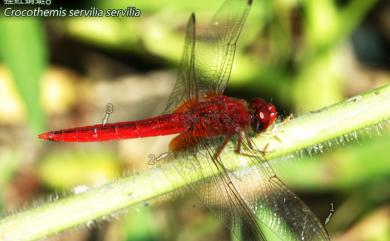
point(156, 126)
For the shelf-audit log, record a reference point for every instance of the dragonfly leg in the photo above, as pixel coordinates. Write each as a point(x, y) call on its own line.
point(239, 142)
point(221, 147)
point(251, 146)
point(288, 118)
point(265, 149)
point(218, 152)
point(248, 139)
point(272, 133)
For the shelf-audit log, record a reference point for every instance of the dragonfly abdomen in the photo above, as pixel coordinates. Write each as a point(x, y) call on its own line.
point(156, 126)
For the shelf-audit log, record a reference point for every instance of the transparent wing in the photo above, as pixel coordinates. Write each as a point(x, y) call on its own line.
point(207, 59)
point(217, 192)
point(276, 207)
point(253, 194)
point(185, 87)
point(216, 46)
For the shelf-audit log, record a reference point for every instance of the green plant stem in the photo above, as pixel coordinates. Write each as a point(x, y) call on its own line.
point(330, 122)
point(288, 137)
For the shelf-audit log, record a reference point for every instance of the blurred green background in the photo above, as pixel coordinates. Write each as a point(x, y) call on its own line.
point(302, 55)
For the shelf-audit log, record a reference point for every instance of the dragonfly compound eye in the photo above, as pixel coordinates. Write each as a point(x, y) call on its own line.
point(263, 114)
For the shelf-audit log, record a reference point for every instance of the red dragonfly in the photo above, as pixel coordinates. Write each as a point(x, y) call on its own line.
point(203, 117)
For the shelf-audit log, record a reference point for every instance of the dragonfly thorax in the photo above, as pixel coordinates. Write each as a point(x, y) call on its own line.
point(220, 115)
point(263, 114)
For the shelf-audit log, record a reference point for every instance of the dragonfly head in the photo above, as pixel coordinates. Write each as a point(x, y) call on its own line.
point(263, 114)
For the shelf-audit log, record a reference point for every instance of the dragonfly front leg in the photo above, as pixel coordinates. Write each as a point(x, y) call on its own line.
point(249, 145)
point(272, 133)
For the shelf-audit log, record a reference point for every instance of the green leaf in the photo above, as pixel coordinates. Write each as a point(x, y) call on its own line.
point(23, 50)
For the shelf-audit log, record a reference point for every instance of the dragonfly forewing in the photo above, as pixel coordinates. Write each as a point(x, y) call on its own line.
point(208, 57)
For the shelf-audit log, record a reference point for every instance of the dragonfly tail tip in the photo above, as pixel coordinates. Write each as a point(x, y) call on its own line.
point(46, 136)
